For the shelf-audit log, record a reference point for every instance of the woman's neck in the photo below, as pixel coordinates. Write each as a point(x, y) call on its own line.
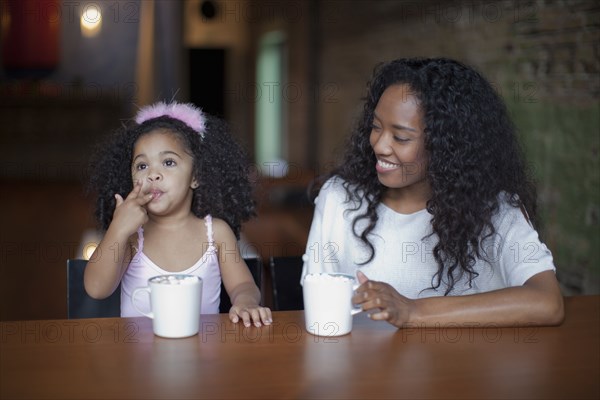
point(407, 200)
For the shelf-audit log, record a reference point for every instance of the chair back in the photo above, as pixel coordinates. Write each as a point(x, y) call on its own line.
point(255, 266)
point(285, 280)
point(80, 304)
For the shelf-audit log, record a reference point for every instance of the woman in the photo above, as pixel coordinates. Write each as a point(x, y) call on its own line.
point(432, 207)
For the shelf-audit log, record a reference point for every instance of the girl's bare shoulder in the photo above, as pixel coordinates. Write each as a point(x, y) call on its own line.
point(222, 229)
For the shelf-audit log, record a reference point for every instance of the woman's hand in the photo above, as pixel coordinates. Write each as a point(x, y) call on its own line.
point(250, 313)
point(130, 213)
point(537, 302)
point(389, 305)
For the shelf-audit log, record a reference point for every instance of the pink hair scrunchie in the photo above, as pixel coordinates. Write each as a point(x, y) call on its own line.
point(187, 113)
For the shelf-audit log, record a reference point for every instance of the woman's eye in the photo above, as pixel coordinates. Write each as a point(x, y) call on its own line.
point(375, 127)
point(401, 140)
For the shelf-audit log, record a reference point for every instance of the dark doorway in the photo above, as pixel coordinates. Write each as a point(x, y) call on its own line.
point(207, 80)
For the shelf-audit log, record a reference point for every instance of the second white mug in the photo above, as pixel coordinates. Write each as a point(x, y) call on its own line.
point(328, 308)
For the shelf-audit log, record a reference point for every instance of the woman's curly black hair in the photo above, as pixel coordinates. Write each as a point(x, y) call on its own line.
point(474, 155)
point(220, 166)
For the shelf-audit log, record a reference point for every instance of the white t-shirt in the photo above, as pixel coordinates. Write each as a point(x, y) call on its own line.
point(404, 259)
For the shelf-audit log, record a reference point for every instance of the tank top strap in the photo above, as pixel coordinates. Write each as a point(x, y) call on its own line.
point(140, 233)
point(209, 230)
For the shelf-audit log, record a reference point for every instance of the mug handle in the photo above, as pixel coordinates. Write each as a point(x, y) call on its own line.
point(355, 310)
point(136, 291)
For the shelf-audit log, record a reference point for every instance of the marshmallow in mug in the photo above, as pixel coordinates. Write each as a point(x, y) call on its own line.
point(327, 277)
point(174, 279)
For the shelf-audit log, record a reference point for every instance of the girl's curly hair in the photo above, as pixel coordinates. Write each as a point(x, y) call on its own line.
point(220, 166)
point(474, 155)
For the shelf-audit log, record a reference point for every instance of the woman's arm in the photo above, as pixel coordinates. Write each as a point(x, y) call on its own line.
point(537, 302)
point(110, 259)
point(237, 279)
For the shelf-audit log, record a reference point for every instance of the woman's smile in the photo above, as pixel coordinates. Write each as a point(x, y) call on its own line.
point(385, 166)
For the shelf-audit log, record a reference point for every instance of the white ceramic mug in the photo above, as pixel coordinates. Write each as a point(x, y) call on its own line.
point(328, 308)
point(175, 303)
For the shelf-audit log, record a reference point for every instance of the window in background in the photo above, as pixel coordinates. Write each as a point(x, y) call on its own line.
point(270, 128)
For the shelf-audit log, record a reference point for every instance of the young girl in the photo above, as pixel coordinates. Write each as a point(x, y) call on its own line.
point(173, 191)
point(432, 207)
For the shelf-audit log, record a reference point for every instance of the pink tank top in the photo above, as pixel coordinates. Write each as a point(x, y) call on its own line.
point(141, 268)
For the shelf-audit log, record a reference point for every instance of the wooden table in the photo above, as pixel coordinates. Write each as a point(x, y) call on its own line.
point(121, 358)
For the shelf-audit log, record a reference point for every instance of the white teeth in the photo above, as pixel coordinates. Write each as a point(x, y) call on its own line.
point(386, 165)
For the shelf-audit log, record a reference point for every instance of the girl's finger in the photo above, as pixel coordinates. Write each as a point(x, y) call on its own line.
point(245, 315)
point(137, 187)
point(265, 315)
point(256, 317)
point(233, 316)
point(143, 200)
point(236, 314)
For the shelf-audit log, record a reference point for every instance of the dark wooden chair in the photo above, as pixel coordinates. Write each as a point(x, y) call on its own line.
point(285, 280)
point(80, 304)
point(255, 266)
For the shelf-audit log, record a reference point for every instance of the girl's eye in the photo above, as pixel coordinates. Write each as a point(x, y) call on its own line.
point(401, 140)
point(170, 163)
point(140, 166)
